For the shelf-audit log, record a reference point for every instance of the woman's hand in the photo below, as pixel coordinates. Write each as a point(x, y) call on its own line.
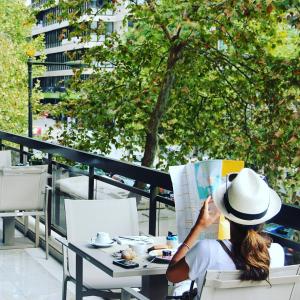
point(207, 216)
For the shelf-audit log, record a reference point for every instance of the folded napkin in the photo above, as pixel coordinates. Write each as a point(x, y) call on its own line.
point(133, 239)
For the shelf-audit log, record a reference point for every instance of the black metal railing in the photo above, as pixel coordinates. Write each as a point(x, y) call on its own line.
point(289, 216)
point(154, 179)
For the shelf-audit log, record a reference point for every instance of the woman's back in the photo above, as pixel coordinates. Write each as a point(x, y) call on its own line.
point(209, 255)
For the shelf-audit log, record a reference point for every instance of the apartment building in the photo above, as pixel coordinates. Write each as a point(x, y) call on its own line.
point(61, 47)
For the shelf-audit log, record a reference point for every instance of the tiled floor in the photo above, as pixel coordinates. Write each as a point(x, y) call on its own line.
point(26, 274)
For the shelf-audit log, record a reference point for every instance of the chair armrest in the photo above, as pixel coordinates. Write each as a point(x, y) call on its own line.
point(48, 187)
point(126, 292)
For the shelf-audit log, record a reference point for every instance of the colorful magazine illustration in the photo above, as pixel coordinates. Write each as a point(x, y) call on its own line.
point(192, 184)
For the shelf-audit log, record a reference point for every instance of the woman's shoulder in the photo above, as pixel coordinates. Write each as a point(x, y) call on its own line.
point(206, 244)
point(276, 255)
point(276, 248)
point(200, 255)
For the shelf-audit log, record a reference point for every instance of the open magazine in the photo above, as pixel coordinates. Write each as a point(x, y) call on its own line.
point(192, 184)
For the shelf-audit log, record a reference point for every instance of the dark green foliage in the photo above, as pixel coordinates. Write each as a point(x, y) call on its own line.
point(215, 78)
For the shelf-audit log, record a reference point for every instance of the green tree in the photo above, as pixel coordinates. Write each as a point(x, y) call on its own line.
point(16, 22)
point(208, 77)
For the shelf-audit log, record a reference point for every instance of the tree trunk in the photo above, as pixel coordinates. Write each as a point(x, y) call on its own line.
point(160, 108)
point(151, 143)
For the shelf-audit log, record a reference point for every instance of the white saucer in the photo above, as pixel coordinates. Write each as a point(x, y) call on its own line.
point(156, 256)
point(101, 245)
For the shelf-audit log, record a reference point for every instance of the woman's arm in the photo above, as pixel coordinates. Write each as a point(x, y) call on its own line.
point(178, 269)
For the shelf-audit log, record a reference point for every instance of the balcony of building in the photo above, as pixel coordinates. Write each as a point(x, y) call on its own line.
point(61, 40)
point(49, 18)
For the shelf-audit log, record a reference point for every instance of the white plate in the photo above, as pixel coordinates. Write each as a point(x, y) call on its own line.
point(102, 245)
point(158, 258)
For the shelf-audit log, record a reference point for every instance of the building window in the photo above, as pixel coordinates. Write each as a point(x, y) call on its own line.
point(49, 16)
point(63, 57)
point(109, 27)
point(55, 37)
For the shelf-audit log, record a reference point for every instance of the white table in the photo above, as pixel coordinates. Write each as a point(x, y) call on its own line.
point(154, 282)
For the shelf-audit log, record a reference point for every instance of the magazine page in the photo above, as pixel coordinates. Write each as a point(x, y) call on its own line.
point(204, 177)
point(192, 184)
point(183, 208)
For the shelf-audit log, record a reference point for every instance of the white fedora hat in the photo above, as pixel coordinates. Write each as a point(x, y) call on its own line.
point(247, 199)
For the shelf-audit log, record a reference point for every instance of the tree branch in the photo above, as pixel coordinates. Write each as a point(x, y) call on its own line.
point(162, 26)
point(225, 58)
point(176, 36)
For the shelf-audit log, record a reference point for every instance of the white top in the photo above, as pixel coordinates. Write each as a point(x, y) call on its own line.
point(209, 255)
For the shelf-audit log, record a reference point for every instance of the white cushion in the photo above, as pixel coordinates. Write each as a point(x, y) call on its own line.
point(21, 188)
point(77, 187)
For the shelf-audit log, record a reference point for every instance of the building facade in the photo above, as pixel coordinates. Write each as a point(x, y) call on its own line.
point(61, 47)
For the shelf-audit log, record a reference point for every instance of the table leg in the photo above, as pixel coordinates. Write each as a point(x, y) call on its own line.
point(125, 295)
point(9, 231)
point(155, 287)
point(78, 277)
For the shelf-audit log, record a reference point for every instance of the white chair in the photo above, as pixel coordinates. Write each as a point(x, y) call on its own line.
point(84, 218)
point(5, 158)
point(283, 284)
point(177, 289)
point(77, 187)
point(23, 192)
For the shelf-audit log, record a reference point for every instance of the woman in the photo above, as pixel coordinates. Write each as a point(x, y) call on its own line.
point(247, 202)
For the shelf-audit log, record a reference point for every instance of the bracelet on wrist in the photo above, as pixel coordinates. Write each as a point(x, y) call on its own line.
point(186, 245)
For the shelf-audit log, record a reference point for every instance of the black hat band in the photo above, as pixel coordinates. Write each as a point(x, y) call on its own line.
point(240, 215)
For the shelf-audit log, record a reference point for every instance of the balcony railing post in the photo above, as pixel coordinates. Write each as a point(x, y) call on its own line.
point(152, 210)
point(91, 182)
point(21, 154)
point(49, 208)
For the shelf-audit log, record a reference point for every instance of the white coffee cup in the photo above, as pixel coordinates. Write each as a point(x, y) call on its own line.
point(102, 238)
point(140, 248)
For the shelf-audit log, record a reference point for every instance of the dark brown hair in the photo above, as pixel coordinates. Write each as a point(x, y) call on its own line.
point(250, 248)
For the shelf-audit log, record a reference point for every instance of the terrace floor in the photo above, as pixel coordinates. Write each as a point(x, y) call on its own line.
point(26, 274)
